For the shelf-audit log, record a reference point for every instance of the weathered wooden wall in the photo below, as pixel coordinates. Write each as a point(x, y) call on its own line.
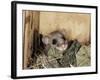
point(30, 37)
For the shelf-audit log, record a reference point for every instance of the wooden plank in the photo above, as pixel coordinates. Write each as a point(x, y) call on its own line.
point(31, 32)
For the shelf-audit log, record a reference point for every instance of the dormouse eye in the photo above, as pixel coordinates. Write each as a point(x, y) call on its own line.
point(54, 41)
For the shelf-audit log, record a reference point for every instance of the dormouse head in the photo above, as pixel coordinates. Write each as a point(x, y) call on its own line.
point(56, 39)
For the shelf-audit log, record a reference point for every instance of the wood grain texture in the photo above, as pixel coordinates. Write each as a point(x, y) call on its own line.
point(31, 30)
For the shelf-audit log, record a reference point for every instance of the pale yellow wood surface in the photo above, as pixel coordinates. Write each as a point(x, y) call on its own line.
point(76, 25)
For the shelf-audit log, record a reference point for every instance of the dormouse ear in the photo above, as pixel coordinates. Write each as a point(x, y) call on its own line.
point(63, 31)
point(66, 33)
point(45, 40)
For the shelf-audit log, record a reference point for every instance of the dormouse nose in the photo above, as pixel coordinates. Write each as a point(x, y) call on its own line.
point(54, 41)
